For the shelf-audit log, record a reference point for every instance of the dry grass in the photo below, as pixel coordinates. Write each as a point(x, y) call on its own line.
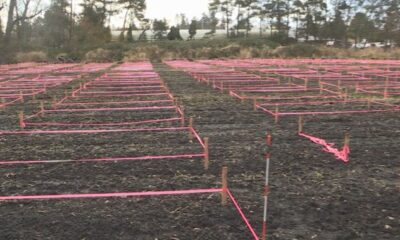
point(35, 56)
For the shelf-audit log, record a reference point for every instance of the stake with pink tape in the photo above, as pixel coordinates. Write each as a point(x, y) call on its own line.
point(268, 140)
point(342, 154)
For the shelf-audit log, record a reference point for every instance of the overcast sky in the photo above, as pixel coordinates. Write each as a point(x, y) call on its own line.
point(169, 8)
point(159, 9)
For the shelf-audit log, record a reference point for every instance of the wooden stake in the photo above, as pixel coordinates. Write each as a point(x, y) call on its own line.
point(347, 139)
point(190, 129)
point(369, 103)
point(22, 97)
point(255, 104)
point(206, 154)
point(183, 118)
point(41, 107)
point(385, 92)
point(224, 180)
point(21, 119)
point(301, 124)
point(54, 102)
point(321, 89)
point(276, 115)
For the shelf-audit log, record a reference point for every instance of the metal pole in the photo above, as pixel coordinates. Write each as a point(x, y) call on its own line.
point(266, 188)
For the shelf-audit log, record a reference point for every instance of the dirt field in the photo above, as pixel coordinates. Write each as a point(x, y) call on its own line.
point(313, 196)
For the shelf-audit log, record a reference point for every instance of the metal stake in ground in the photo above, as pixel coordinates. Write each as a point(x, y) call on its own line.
point(266, 188)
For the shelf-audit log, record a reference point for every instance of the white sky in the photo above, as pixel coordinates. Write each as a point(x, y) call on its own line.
point(159, 9)
point(169, 8)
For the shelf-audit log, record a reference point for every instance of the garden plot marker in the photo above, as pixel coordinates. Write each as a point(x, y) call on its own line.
point(191, 127)
point(224, 180)
point(21, 120)
point(266, 188)
point(206, 154)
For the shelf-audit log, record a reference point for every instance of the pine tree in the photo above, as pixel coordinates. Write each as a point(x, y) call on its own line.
point(57, 22)
point(192, 29)
point(129, 35)
point(1, 31)
point(361, 27)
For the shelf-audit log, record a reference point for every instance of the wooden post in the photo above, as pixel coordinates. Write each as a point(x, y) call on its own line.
point(347, 139)
point(21, 119)
point(41, 108)
point(224, 181)
point(183, 118)
point(255, 104)
point(276, 114)
point(321, 89)
point(346, 93)
point(301, 124)
point(369, 103)
point(54, 102)
point(385, 93)
point(191, 129)
point(206, 154)
point(22, 96)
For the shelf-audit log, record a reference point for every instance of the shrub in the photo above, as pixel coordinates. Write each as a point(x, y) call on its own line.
point(297, 50)
point(99, 55)
point(34, 56)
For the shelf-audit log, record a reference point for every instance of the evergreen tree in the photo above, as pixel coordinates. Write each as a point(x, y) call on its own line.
point(129, 35)
point(1, 31)
point(174, 34)
point(159, 28)
point(91, 30)
point(192, 29)
point(56, 22)
point(361, 27)
point(226, 8)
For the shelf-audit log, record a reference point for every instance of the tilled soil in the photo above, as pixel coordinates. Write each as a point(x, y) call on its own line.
point(313, 196)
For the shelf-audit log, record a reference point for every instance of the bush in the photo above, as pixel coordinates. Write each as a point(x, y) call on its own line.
point(35, 56)
point(282, 39)
point(99, 55)
point(297, 50)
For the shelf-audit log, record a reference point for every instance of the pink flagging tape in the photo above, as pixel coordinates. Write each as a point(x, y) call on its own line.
point(246, 221)
point(114, 103)
point(110, 109)
point(110, 195)
point(102, 124)
point(92, 131)
point(197, 137)
point(336, 112)
point(195, 155)
point(342, 155)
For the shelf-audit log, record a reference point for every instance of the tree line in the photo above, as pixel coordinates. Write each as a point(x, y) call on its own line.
point(30, 24)
point(375, 20)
